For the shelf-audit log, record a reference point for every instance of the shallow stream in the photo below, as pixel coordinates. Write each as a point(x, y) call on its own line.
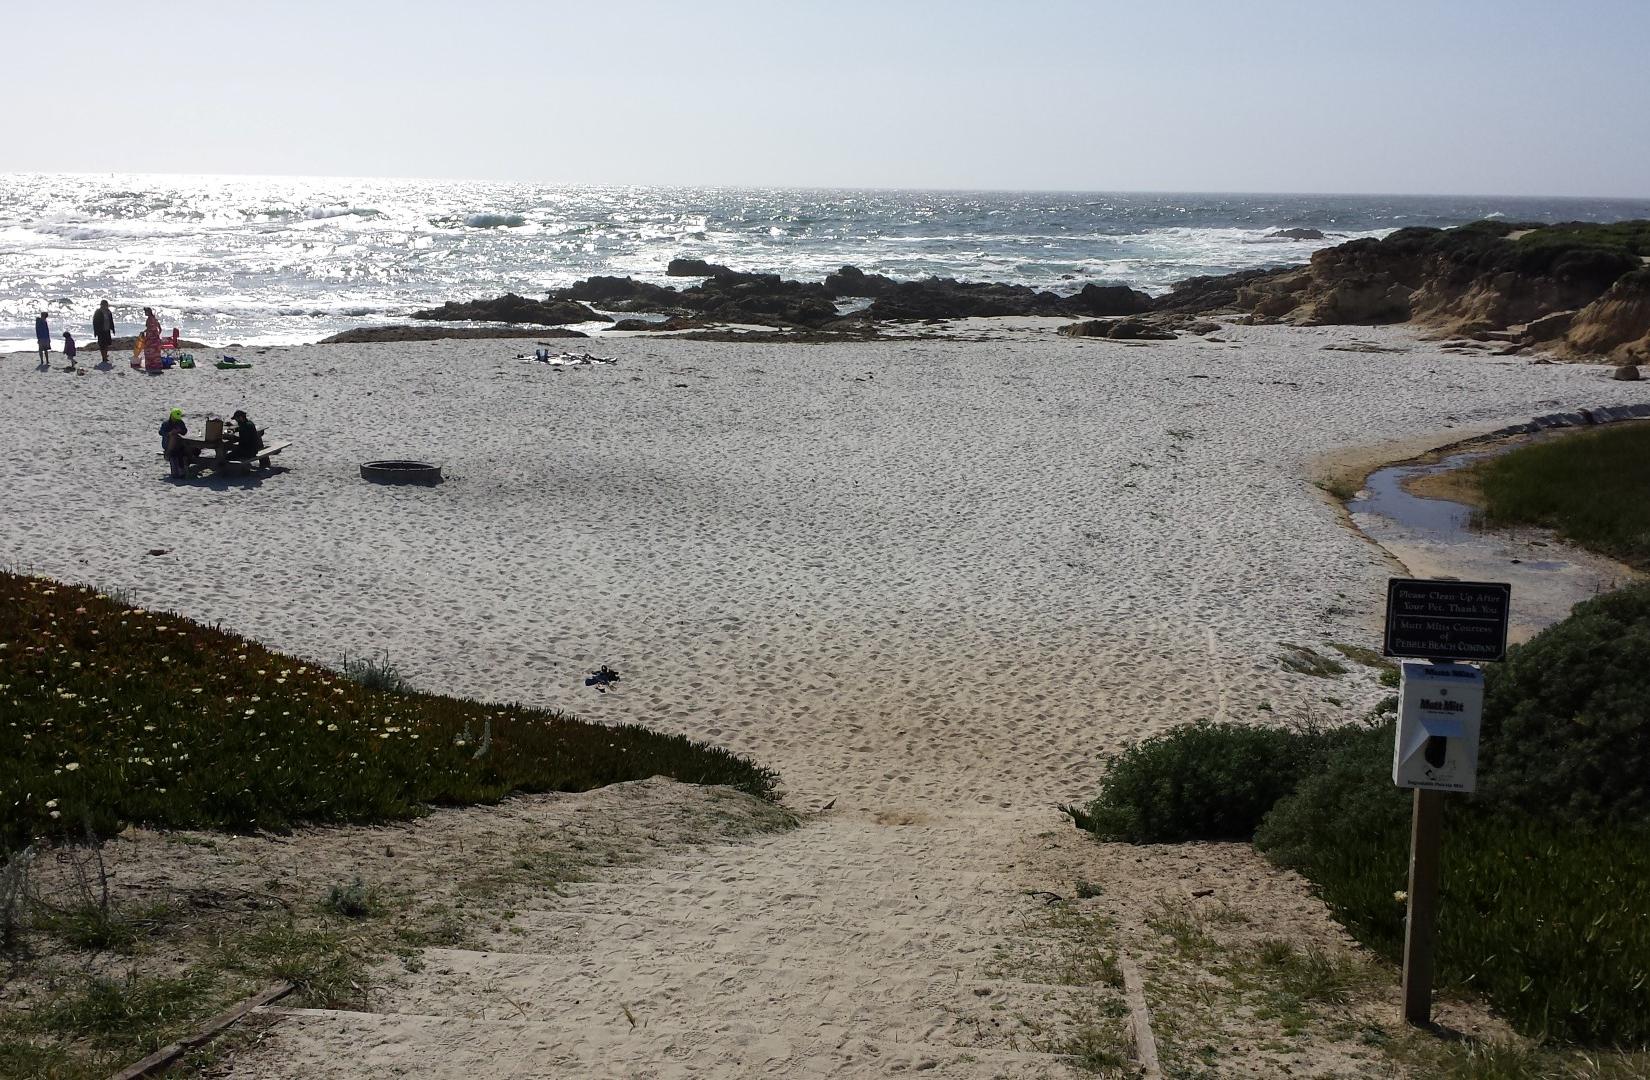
point(1437, 538)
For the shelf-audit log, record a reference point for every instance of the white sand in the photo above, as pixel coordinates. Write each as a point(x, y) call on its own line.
point(935, 581)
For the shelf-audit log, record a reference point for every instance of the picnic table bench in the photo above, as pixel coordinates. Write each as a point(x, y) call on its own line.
point(223, 457)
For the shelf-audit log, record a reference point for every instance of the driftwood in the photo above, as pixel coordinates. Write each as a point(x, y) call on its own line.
point(166, 1055)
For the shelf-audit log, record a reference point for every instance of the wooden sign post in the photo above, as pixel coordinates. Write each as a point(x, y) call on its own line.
point(1435, 749)
point(1426, 835)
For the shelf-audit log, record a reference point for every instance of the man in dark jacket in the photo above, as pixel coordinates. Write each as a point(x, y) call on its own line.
point(248, 439)
point(103, 328)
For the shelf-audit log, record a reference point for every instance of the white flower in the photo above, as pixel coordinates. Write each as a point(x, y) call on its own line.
point(72, 766)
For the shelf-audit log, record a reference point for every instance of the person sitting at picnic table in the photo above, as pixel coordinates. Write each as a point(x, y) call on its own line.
point(248, 439)
point(174, 444)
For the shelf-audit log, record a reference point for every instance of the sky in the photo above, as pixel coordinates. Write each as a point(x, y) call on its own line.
point(1506, 97)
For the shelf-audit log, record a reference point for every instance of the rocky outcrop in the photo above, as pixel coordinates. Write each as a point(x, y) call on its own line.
point(1548, 327)
point(1119, 330)
point(366, 334)
point(947, 298)
point(695, 268)
point(1626, 373)
point(1522, 284)
point(852, 281)
point(664, 325)
point(1107, 300)
point(1616, 326)
point(767, 299)
point(511, 308)
point(1295, 234)
point(86, 344)
point(764, 299)
point(615, 292)
point(1214, 293)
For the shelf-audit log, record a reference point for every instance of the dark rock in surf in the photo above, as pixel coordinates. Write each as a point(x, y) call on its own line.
point(694, 268)
point(511, 308)
point(1107, 300)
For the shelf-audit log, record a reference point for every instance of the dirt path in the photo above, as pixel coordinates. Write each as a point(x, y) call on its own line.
point(857, 945)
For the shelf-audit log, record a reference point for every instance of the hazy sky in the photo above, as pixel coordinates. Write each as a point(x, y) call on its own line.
point(1447, 96)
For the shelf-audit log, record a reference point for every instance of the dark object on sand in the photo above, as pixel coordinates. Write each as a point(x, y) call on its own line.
point(401, 472)
point(602, 678)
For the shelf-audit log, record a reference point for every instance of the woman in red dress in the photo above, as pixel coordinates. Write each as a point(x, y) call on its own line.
point(151, 340)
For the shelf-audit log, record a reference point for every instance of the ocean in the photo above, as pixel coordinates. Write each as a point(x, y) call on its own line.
point(282, 260)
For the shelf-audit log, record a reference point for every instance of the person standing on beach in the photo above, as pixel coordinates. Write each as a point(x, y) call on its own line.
point(151, 340)
point(43, 338)
point(103, 328)
point(68, 347)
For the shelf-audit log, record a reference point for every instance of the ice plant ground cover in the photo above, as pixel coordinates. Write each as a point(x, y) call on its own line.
point(112, 715)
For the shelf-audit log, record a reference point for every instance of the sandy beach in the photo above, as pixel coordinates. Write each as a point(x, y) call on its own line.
point(935, 581)
point(949, 573)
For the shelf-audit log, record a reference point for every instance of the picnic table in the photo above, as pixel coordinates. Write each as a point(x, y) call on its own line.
point(220, 443)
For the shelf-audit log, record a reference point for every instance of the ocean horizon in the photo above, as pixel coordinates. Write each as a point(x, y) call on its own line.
point(285, 260)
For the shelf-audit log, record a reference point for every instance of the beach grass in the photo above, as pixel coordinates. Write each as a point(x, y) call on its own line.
point(1589, 487)
point(116, 715)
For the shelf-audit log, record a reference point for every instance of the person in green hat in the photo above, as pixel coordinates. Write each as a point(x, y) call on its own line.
point(172, 432)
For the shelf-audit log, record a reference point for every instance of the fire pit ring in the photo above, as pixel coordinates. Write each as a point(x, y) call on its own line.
point(401, 472)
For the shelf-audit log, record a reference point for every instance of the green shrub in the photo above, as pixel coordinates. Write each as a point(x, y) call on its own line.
point(1200, 782)
point(373, 672)
point(1567, 717)
point(111, 715)
point(357, 900)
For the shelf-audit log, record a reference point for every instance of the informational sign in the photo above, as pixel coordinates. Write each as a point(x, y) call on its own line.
point(1447, 620)
point(1439, 708)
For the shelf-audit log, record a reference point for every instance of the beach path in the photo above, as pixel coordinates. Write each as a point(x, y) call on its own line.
point(848, 947)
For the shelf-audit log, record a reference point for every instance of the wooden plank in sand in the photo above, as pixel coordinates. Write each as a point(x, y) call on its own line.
point(166, 1055)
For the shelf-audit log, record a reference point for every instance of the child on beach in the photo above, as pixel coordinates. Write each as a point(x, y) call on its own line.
point(68, 347)
point(43, 338)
